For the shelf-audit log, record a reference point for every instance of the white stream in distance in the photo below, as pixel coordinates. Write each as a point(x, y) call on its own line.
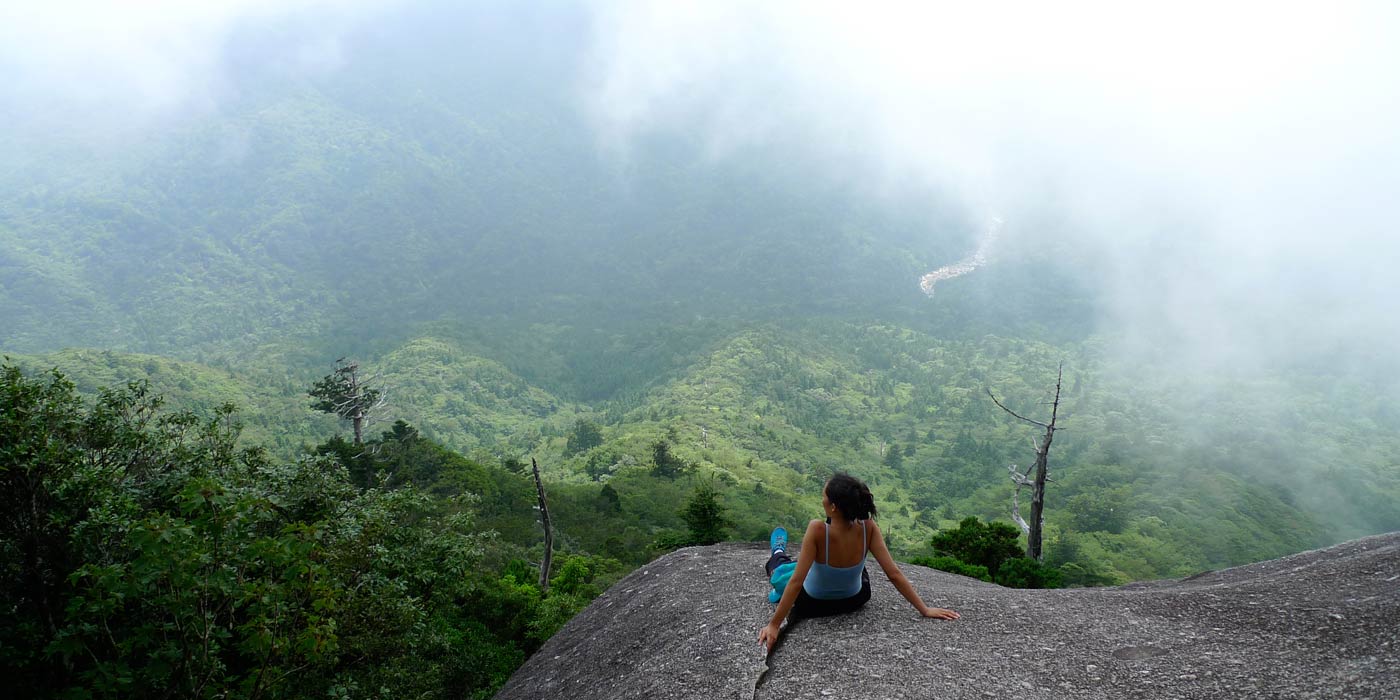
point(967, 264)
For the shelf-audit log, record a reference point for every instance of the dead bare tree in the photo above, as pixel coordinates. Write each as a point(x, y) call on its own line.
point(1034, 529)
point(548, 532)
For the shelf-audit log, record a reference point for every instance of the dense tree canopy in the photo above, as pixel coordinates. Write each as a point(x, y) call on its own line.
point(143, 553)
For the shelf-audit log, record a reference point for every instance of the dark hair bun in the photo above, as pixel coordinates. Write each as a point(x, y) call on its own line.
point(850, 496)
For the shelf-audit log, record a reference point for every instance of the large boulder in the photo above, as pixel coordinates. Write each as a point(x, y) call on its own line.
point(1321, 624)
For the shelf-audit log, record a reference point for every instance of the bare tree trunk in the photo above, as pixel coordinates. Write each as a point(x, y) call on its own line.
point(1034, 529)
point(1033, 538)
point(548, 532)
point(357, 420)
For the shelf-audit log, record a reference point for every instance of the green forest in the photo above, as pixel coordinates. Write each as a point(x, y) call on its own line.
point(142, 463)
point(687, 345)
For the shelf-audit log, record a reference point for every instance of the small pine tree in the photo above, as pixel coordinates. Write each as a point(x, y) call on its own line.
point(664, 463)
point(704, 515)
point(584, 436)
point(608, 500)
point(894, 458)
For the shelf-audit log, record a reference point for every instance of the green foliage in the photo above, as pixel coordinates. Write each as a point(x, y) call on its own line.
point(989, 552)
point(1078, 574)
point(272, 405)
point(1023, 572)
point(777, 408)
point(954, 565)
point(1078, 565)
point(402, 456)
point(664, 463)
point(457, 397)
point(983, 544)
point(343, 393)
point(158, 557)
point(583, 437)
point(385, 209)
point(705, 516)
point(667, 540)
point(1106, 510)
point(894, 458)
point(166, 567)
point(608, 500)
point(249, 268)
point(599, 464)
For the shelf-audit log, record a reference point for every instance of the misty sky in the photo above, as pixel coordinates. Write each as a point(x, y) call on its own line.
point(1229, 169)
point(1235, 164)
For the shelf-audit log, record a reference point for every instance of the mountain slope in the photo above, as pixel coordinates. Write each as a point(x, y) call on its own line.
point(442, 180)
point(1144, 487)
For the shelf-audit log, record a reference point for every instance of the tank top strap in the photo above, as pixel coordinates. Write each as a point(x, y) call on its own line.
point(828, 544)
point(864, 541)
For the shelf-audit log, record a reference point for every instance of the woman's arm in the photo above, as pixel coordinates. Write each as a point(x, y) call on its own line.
point(906, 589)
point(768, 636)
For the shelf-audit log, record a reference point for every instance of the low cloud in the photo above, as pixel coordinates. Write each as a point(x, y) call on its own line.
point(1228, 170)
point(141, 61)
point(1224, 172)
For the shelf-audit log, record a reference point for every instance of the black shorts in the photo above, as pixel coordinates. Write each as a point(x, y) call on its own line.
point(807, 606)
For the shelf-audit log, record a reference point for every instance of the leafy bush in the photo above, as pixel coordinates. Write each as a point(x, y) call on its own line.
point(1022, 572)
point(953, 565)
point(983, 544)
point(667, 540)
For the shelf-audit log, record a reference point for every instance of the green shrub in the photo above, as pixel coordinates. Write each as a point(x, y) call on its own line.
point(953, 565)
point(1022, 572)
point(983, 544)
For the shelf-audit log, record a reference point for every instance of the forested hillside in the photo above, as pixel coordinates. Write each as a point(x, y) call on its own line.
point(688, 332)
point(460, 233)
point(1146, 485)
point(341, 209)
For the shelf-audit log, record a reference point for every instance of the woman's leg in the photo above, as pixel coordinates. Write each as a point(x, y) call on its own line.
point(777, 559)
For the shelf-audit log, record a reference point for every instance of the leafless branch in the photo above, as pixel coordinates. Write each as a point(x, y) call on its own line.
point(1020, 480)
point(1018, 477)
point(1004, 408)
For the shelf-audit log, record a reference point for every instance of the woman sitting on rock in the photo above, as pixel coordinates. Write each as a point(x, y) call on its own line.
point(829, 575)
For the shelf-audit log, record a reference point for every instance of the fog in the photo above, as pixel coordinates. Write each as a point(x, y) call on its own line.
point(1227, 171)
point(1225, 174)
point(147, 61)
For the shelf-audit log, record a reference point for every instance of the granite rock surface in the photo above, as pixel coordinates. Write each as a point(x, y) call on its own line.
point(1320, 624)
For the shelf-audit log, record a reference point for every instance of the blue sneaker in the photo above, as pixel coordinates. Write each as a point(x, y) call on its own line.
point(777, 540)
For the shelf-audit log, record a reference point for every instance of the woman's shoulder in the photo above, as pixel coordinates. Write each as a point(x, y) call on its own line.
point(813, 536)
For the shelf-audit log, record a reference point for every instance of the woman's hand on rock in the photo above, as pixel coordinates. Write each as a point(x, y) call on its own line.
point(940, 614)
point(768, 636)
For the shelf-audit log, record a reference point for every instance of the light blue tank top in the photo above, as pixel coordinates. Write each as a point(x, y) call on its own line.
point(827, 582)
